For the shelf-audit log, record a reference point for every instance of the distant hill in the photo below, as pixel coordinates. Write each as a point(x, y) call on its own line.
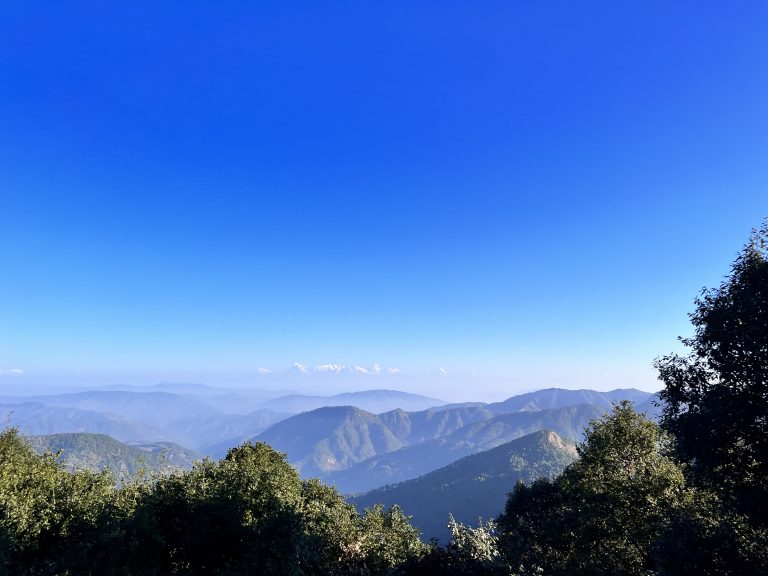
point(331, 438)
point(154, 408)
point(375, 401)
point(135, 416)
point(413, 461)
point(475, 486)
point(34, 418)
point(83, 451)
point(214, 434)
point(559, 398)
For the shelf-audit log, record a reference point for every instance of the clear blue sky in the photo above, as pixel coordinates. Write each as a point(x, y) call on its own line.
point(533, 191)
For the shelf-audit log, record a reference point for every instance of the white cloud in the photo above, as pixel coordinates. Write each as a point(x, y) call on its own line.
point(394, 371)
point(329, 368)
point(360, 370)
point(375, 369)
point(11, 371)
point(300, 368)
point(263, 370)
point(443, 371)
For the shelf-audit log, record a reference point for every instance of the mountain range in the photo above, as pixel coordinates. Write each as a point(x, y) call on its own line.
point(400, 437)
point(423, 457)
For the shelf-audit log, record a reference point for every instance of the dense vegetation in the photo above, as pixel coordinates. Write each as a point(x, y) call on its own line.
point(248, 513)
point(686, 497)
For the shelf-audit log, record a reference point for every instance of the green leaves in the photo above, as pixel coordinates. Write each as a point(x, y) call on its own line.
point(248, 513)
point(603, 514)
point(716, 398)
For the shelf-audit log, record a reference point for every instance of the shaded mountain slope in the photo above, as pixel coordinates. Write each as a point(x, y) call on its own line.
point(475, 486)
point(417, 427)
point(331, 438)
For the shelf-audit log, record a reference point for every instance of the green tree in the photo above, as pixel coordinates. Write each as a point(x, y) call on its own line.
point(606, 511)
point(48, 517)
point(471, 552)
point(715, 403)
point(239, 515)
point(387, 539)
point(331, 532)
point(715, 399)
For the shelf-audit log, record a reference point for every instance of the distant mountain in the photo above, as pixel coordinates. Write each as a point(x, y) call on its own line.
point(154, 408)
point(330, 438)
point(458, 405)
point(34, 418)
point(559, 398)
point(375, 401)
point(214, 434)
point(83, 451)
point(475, 486)
point(649, 408)
point(413, 461)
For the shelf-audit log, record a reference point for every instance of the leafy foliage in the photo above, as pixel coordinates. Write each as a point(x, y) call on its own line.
point(603, 514)
point(249, 513)
point(715, 403)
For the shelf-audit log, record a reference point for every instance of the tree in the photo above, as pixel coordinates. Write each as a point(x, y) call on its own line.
point(715, 400)
point(387, 539)
point(239, 515)
point(471, 552)
point(715, 403)
point(606, 511)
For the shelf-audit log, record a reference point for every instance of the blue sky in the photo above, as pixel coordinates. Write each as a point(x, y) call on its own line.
point(527, 192)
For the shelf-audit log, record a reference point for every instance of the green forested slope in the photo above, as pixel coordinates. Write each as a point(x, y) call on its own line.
point(475, 486)
point(95, 452)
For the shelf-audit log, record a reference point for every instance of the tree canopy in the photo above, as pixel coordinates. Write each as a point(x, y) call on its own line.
point(715, 404)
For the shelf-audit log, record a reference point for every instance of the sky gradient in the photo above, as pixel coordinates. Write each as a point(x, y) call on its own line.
point(532, 193)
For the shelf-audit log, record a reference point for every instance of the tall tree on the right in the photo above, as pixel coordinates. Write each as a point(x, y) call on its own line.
point(715, 399)
point(715, 404)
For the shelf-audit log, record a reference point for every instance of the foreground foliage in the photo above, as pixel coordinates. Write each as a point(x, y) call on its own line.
point(249, 513)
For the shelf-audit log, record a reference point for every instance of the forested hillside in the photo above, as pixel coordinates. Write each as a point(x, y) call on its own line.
point(96, 452)
point(475, 486)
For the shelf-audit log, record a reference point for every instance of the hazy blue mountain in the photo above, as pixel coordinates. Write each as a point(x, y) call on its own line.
point(84, 451)
point(155, 408)
point(458, 405)
point(242, 400)
point(559, 398)
point(413, 461)
point(649, 408)
point(475, 486)
point(34, 418)
point(128, 416)
point(374, 401)
point(214, 434)
point(330, 438)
